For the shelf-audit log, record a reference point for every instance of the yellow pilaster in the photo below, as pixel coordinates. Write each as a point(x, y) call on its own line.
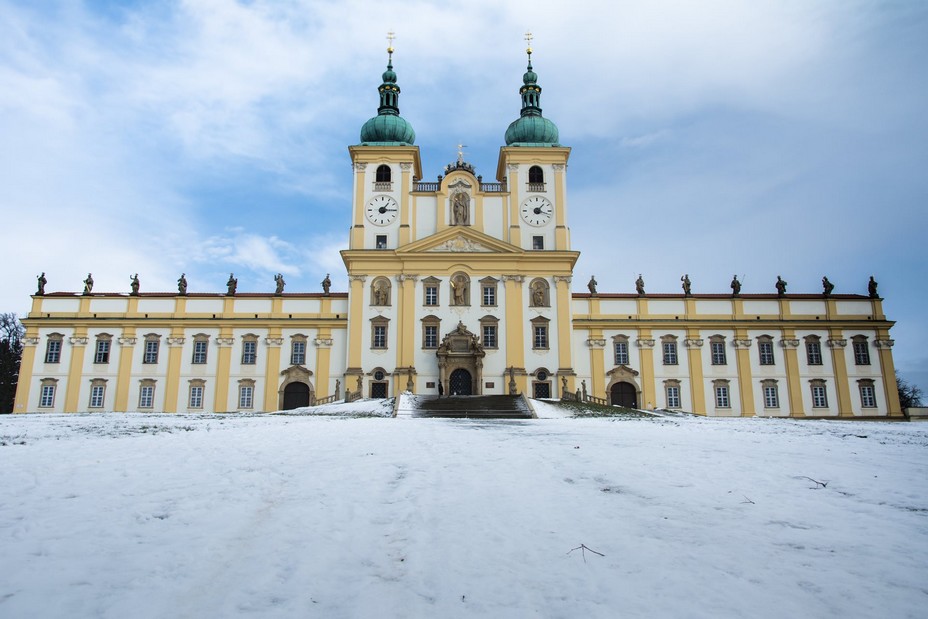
point(646, 346)
point(561, 232)
point(78, 341)
point(791, 363)
point(223, 365)
point(357, 228)
point(404, 205)
point(837, 343)
point(273, 343)
point(564, 330)
point(515, 326)
point(478, 213)
point(745, 376)
point(597, 346)
point(694, 346)
point(127, 345)
point(175, 343)
point(323, 344)
point(515, 231)
point(407, 321)
point(355, 316)
point(888, 369)
point(27, 362)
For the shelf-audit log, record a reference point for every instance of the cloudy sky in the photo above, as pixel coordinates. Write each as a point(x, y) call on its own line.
point(758, 137)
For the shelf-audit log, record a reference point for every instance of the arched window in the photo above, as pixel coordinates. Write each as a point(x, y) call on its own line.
point(536, 178)
point(383, 174)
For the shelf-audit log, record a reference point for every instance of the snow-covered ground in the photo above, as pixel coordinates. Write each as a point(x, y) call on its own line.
point(131, 515)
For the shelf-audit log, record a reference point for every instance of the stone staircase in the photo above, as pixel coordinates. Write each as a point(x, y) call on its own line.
point(474, 407)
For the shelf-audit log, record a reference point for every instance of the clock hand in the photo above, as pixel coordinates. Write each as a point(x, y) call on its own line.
point(537, 210)
point(384, 209)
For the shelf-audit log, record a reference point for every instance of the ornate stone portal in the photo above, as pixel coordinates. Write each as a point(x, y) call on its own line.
point(460, 362)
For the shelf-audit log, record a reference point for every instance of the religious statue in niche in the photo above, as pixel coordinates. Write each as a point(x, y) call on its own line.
point(231, 285)
point(381, 293)
point(88, 284)
point(871, 288)
point(42, 281)
point(687, 291)
point(639, 285)
point(459, 290)
point(827, 287)
point(539, 294)
point(279, 280)
point(735, 286)
point(134, 284)
point(781, 286)
point(182, 285)
point(326, 284)
point(460, 207)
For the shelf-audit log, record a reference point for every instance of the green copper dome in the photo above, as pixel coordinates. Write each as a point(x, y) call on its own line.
point(388, 128)
point(531, 128)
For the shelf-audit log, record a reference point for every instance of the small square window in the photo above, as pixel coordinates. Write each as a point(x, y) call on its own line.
point(381, 242)
point(538, 242)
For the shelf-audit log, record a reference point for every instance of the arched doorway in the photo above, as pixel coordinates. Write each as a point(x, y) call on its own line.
point(624, 394)
point(461, 382)
point(295, 396)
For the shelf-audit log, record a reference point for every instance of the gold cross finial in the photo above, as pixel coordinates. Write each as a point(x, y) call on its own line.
point(461, 148)
point(390, 37)
point(528, 39)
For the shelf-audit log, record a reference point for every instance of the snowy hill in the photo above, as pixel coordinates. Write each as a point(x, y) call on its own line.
point(305, 516)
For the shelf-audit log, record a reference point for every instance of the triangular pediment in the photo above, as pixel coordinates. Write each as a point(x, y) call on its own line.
point(459, 239)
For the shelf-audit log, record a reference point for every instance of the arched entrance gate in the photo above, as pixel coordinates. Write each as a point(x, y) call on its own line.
point(460, 362)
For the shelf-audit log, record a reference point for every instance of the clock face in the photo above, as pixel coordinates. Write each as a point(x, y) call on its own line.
point(381, 210)
point(537, 211)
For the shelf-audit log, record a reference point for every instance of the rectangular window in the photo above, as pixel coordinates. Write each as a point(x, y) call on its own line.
point(196, 396)
point(380, 336)
point(489, 295)
point(146, 396)
point(814, 353)
point(861, 353)
point(47, 399)
point(771, 397)
point(718, 353)
point(96, 396)
point(53, 351)
point(297, 352)
point(151, 352)
point(621, 353)
point(431, 295)
point(489, 336)
point(249, 352)
point(721, 397)
point(541, 336)
point(103, 352)
point(766, 352)
point(670, 353)
point(673, 396)
point(246, 396)
point(430, 337)
point(819, 397)
point(538, 242)
point(199, 351)
point(381, 241)
point(867, 396)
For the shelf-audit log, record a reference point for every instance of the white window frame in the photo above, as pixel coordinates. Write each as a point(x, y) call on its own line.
point(819, 396)
point(722, 396)
point(861, 352)
point(718, 353)
point(199, 356)
point(771, 396)
point(102, 352)
point(867, 395)
point(813, 352)
point(53, 350)
point(150, 356)
point(195, 398)
point(673, 396)
point(246, 396)
point(489, 295)
point(47, 396)
point(298, 352)
point(490, 336)
point(146, 396)
point(250, 352)
point(621, 352)
point(430, 336)
point(431, 295)
point(765, 352)
point(97, 396)
point(669, 350)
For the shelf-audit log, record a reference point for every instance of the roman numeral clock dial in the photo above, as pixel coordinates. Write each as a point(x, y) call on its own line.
point(537, 211)
point(381, 210)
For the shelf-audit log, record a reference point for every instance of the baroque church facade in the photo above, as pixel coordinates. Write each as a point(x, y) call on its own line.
point(459, 286)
